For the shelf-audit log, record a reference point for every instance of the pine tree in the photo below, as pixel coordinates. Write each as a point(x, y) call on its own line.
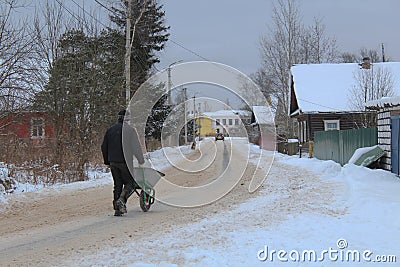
point(85, 90)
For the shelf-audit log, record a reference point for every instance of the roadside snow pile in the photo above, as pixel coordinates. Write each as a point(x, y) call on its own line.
point(7, 184)
point(162, 158)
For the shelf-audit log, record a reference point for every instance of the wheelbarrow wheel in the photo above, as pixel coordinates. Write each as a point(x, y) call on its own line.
point(145, 201)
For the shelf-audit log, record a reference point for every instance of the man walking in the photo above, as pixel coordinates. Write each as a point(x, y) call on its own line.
point(113, 154)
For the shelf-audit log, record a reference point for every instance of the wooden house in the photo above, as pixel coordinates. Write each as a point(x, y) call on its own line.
point(26, 125)
point(31, 129)
point(320, 99)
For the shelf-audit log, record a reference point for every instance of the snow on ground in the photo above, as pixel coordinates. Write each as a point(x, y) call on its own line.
point(367, 226)
point(96, 177)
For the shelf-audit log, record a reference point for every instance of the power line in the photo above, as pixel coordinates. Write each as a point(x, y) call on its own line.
point(72, 14)
point(318, 104)
point(79, 18)
point(189, 50)
point(172, 41)
point(138, 36)
point(104, 6)
point(88, 13)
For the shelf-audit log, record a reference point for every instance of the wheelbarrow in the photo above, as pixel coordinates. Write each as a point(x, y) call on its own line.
point(146, 179)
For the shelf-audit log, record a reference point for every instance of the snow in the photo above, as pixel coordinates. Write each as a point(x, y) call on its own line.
point(359, 152)
point(364, 215)
point(325, 87)
point(227, 113)
point(156, 160)
point(384, 101)
point(263, 114)
point(370, 221)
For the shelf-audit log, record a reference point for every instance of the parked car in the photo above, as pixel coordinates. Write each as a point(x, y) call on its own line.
point(219, 136)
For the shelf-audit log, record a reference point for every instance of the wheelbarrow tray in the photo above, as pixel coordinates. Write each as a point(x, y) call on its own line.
point(146, 177)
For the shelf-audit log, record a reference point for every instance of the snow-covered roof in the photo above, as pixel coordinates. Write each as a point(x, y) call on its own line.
point(263, 114)
point(326, 87)
point(227, 113)
point(384, 102)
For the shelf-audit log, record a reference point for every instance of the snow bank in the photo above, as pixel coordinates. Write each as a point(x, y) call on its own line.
point(161, 159)
point(326, 168)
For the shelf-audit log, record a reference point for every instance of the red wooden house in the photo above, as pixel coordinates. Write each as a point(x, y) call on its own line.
point(31, 127)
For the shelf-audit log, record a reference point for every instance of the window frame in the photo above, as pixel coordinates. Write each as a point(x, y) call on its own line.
point(326, 122)
point(35, 126)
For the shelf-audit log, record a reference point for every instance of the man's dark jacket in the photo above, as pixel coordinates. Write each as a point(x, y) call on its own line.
point(112, 145)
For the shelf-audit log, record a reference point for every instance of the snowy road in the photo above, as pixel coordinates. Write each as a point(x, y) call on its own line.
point(46, 227)
point(294, 208)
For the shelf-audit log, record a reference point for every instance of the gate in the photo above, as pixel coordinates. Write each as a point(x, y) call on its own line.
point(394, 142)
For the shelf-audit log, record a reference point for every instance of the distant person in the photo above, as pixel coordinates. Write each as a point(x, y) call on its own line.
point(113, 155)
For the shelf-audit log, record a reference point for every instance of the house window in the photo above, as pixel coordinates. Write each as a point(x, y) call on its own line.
point(332, 125)
point(230, 122)
point(223, 121)
point(37, 128)
point(236, 121)
point(218, 122)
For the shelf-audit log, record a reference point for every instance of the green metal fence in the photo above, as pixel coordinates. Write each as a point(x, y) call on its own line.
point(339, 146)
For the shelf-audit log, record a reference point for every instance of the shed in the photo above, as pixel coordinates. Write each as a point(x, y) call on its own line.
point(265, 127)
point(388, 109)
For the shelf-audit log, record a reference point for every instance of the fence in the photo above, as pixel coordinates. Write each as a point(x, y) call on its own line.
point(339, 146)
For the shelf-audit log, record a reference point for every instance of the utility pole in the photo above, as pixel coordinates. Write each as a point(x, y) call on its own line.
point(169, 83)
point(185, 99)
point(194, 123)
point(169, 86)
point(128, 53)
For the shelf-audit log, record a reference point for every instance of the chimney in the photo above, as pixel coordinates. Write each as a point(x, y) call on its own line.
point(366, 64)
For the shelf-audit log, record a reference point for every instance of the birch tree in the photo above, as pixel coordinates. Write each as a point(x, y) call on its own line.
point(289, 42)
point(371, 84)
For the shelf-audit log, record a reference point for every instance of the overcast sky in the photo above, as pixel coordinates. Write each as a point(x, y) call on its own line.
point(229, 31)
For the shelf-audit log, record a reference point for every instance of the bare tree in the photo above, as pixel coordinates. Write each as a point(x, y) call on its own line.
point(371, 84)
point(15, 62)
point(316, 46)
point(347, 57)
point(279, 52)
point(48, 27)
point(290, 42)
point(373, 54)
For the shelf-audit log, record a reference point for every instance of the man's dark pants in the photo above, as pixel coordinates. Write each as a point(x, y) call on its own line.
point(124, 184)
